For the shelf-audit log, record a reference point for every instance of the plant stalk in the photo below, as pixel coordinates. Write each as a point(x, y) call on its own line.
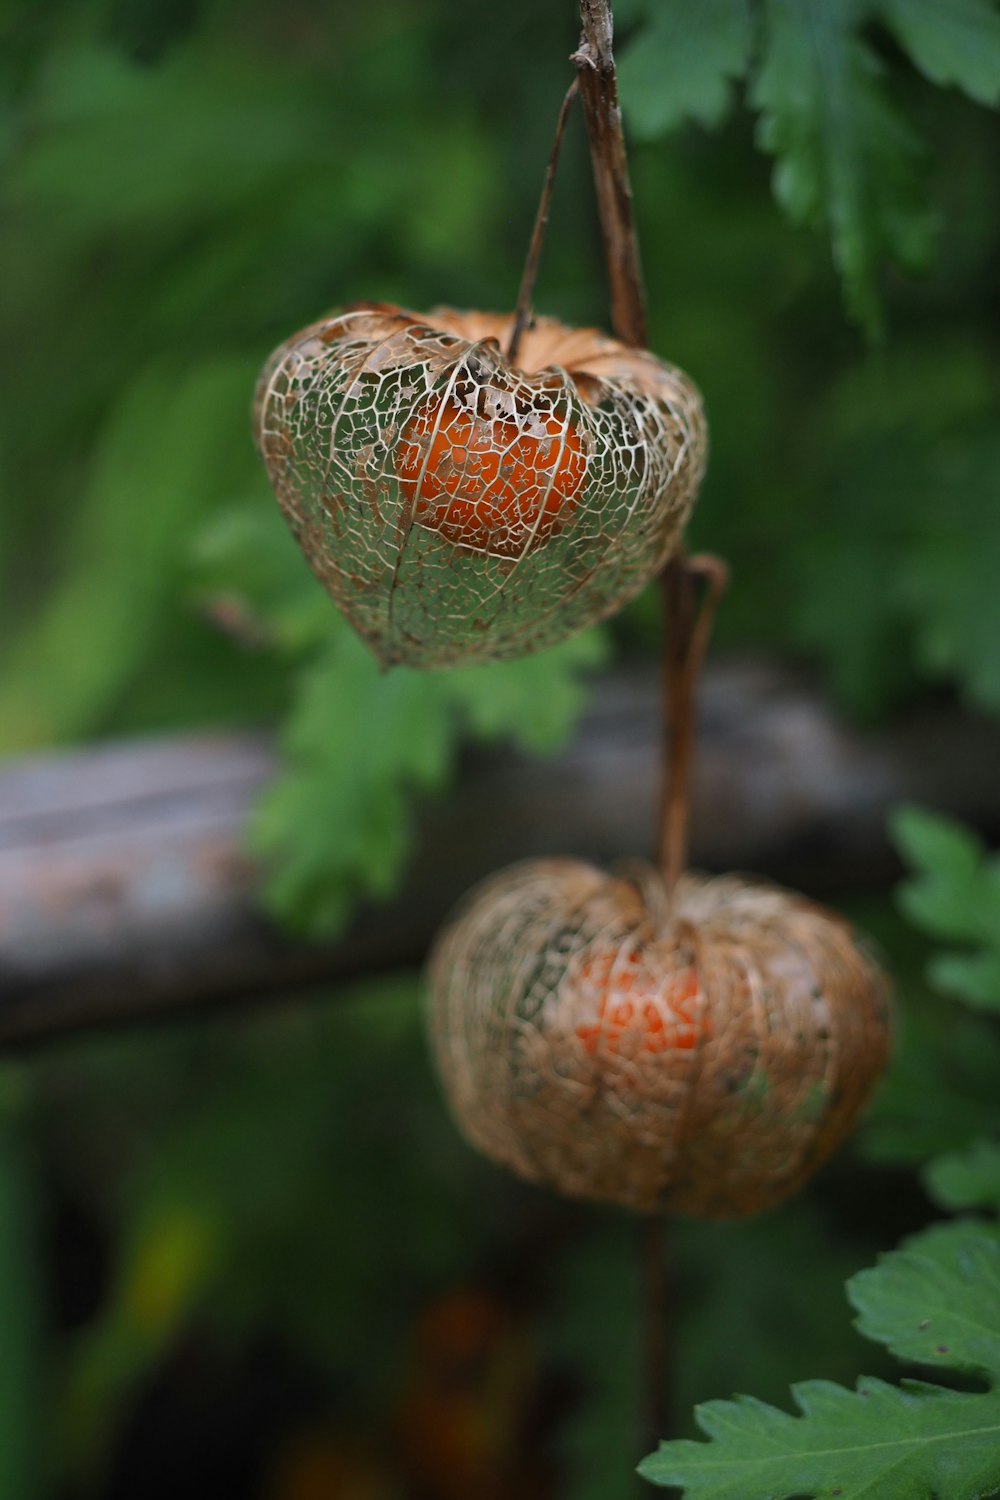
point(529, 276)
point(688, 621)
point(595, 66)
point(688, 626)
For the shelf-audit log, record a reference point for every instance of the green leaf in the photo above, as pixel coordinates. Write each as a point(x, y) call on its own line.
point(975, 977)
point(844, 156)
point(535, 701)
point(358, 742)
point(252, 577)
point(683, 63)
point(935, 844)
point(361, 743)
point(936, 1301)
point(966, 1179)
point(951, 42)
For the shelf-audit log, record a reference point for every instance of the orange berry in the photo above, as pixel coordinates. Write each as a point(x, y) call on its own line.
point(501, 485)
point(637, 1010)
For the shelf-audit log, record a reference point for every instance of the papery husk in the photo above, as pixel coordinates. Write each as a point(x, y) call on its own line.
point(703, 1058)
point(335, 402)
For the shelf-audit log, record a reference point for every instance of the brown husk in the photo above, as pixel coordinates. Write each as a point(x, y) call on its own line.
point(706, 1063)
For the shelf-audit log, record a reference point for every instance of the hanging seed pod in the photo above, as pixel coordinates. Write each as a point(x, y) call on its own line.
point(459, 508)
point(706, 1063)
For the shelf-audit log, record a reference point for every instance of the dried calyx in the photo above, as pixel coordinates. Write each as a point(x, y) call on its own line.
point(704, 1057)
point(460, 508)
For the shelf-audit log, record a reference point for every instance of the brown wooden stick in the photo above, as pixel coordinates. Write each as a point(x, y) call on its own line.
point(529, 276)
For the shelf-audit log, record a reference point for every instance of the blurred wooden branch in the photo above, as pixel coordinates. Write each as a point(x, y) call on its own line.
point(125, 889)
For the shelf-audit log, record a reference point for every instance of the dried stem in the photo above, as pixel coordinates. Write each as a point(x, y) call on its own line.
point(688, 621)
point(530, 274)
point(595, 64)
point(688, 628)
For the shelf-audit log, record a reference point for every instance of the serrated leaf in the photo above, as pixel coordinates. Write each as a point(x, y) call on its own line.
point(951, 42)
point(936, 1301)
point(844, 155)
point(683, 63)
point(878, 1442)
point(336, 825)
point(966, 1179)
point(534, 701)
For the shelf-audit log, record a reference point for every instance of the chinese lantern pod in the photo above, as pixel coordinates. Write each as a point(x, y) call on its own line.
point(704, 1063)
point(462, 509)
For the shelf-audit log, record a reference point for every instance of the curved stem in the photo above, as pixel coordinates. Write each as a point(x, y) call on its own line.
point(530, 274)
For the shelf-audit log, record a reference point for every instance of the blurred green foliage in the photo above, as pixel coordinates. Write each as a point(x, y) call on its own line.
point(184, 183)
point(22, 1314)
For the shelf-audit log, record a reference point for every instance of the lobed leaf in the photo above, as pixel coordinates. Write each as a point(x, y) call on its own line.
point(936, 1301)
point(929, 1301)
point(844, 155)
point(361, 743)
point(683, 63)
point(951, 42)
